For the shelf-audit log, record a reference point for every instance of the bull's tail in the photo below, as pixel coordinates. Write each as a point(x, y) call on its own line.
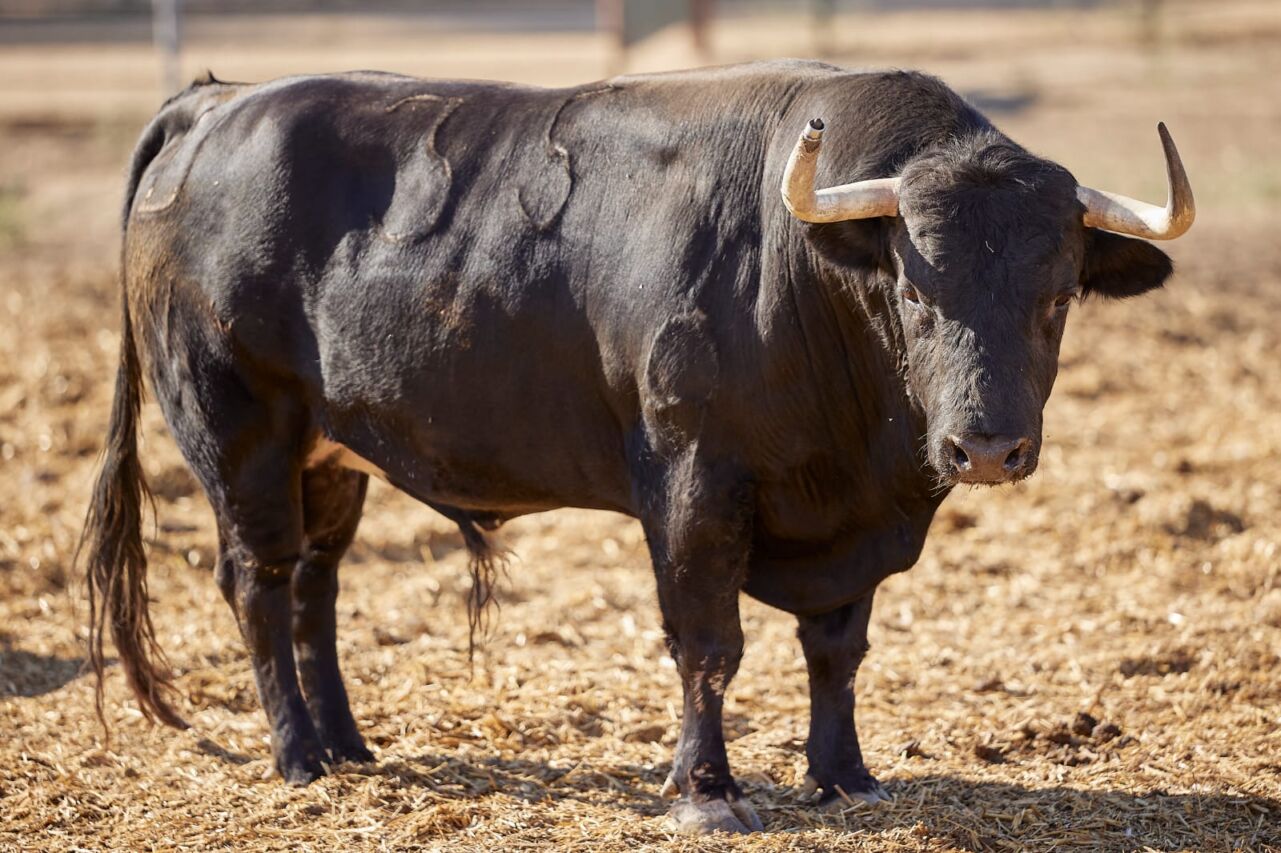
point(111, 544)
point(114, 559)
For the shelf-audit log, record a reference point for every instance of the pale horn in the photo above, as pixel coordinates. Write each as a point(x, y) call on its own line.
point(860, 200)
point(1125, 215)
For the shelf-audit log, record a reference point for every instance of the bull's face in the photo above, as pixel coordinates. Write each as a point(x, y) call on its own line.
point(988, 247)
point(986, 264)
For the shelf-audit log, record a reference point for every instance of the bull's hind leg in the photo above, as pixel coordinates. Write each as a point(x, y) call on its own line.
point(332, 502)
point(247, 455)
point(260, 523)
point(260, 534)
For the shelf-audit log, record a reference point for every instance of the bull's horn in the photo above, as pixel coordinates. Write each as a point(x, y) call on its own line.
point(860, 200)
point(1137, 218)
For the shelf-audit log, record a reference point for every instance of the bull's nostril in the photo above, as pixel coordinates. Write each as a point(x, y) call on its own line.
point(1017, 458)
point(960, 457)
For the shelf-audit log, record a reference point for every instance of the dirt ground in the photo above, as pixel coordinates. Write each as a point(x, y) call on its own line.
point(1090, 660)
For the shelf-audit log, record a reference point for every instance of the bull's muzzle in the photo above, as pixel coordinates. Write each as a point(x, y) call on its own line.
point(988, 459)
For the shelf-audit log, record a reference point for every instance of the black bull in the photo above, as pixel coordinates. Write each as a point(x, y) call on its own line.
point(505, 300)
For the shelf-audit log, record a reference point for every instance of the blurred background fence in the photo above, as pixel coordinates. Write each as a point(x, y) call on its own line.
point(621, 23)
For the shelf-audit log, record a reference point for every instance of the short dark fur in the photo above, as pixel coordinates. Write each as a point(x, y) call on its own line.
point(510, 300)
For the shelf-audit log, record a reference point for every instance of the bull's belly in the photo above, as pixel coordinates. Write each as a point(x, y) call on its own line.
point(504, 469)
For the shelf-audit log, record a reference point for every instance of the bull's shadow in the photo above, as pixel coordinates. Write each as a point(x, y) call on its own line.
point(963, 813)
point(625, 786)
point(26, 674)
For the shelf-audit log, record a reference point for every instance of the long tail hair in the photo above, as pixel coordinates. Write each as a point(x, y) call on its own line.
point(115, 562)
point(114, 559)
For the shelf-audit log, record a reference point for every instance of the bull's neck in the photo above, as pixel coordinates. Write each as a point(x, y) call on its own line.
point(849, 324)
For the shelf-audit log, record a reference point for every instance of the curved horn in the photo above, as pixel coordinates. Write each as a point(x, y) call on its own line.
point(860, 200)
point(1125, 215)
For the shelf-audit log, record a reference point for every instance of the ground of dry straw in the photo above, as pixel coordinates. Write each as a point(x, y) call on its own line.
point(1087, 661)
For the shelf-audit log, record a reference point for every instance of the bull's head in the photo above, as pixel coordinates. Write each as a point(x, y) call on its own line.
point(989, 246)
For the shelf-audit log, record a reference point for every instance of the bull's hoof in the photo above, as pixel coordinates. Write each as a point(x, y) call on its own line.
point(301, 775)
point(671, 788)
point(840, 799)
point(300, 767)
point(356, 753)
point(735, 816)
point(861, 789)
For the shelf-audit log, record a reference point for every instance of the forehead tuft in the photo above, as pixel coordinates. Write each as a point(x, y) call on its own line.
point(984, 182)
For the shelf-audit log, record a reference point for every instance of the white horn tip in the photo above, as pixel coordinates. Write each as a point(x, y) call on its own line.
point(814, 130)
point(1123, 215)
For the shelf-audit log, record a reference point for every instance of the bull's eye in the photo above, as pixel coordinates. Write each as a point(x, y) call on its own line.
point(1065, 298)
point(911, 294)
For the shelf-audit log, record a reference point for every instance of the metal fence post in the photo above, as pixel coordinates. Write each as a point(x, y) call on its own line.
point(167, 35)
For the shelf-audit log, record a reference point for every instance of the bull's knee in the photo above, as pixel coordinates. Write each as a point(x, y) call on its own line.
point(255, 583)
point(714, 650)
point(261, 602)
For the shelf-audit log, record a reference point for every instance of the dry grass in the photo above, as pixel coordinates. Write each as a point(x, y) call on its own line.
point(1087, 661)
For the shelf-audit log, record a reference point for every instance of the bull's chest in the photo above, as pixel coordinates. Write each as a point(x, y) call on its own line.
point(810, 503)
point(828, 496)
point(826, 538)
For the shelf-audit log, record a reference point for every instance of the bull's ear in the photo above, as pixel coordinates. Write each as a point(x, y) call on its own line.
point(1120, 267)
point(858, 244)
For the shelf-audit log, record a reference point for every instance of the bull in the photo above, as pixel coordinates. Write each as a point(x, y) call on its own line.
point(631, 296)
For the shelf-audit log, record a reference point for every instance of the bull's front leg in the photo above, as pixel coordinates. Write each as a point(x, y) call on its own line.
point(699, 541)
point(834, 646)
